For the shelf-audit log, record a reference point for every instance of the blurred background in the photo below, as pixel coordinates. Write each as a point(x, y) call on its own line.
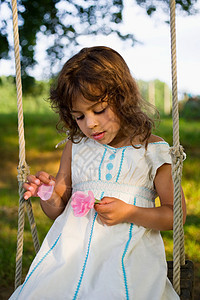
point(52, 31)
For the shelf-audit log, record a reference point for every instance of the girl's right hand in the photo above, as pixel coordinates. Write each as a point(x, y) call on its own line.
point(34, 181)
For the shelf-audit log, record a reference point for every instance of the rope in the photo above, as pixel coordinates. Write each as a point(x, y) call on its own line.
point(23, 169)
point(177, 163)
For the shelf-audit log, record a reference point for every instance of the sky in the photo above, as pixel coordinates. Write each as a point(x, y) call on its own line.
point(149, 59)
point(152, 59)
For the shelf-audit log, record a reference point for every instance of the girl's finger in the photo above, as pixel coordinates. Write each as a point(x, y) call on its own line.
point(31, 187)
point(45, 178)
point(27, 195)
point(33, 179)
point(27, 186)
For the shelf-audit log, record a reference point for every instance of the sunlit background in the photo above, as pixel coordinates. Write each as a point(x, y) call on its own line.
point(149, 58)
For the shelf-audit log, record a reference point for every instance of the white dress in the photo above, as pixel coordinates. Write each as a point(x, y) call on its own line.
point(81, 258)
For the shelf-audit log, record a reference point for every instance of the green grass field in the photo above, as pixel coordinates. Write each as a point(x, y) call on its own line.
point(41, 137)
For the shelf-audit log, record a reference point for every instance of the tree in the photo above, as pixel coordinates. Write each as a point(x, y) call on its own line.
point(186, 6)
point(63, 21)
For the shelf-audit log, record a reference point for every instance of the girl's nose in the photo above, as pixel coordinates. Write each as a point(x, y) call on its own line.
point(91, 121)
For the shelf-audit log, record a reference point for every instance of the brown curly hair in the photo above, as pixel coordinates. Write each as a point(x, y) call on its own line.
point(100, 73)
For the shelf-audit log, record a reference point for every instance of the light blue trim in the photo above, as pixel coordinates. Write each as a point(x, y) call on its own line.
point(101, 163)
point(86, 258)
point(101, 195)
point(138, 145)
point(121, 162)
point(123, 256)
point(87, 255)
point(115, 149)
point(123, 266)
point(159, 143)
point(41, 260)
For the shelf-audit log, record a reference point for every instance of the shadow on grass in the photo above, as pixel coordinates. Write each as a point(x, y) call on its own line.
point(193, 220)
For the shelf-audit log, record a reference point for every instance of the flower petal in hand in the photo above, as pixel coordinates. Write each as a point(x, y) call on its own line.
point(45, 191)
point(82, 203)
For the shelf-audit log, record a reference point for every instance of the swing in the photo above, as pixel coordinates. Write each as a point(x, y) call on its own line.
point(180, 272)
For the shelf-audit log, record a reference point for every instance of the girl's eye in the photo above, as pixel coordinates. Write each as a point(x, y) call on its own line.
point(79, 118)
point(100, 112)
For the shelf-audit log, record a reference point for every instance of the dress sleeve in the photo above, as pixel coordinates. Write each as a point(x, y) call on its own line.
point(157, 155)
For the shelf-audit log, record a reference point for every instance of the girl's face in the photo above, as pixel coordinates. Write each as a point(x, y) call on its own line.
point(96, 120)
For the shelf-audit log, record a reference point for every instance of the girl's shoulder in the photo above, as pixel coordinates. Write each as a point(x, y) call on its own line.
point(157, 146)
point(157, 154)
point(154, 139)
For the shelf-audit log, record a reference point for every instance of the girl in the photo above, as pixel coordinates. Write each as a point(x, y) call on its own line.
point(115, 251)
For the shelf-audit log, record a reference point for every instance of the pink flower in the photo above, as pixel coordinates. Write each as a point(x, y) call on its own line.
point(82, 203)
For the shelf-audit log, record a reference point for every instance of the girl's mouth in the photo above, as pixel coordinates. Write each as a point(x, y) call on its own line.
point(98, 136)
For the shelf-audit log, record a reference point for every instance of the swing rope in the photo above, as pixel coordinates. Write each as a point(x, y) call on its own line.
point(176, 153)
point(23, 169)
point(177, 162)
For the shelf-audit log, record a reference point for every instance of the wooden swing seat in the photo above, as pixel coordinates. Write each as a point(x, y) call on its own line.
point(187, 279)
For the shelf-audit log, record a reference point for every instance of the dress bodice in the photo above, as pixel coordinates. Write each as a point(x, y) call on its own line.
point(124, 172)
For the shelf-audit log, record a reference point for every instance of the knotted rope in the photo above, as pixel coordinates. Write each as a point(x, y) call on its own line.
point(177, 163)
point(23, 169)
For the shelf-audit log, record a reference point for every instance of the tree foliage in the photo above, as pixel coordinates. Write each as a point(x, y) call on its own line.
point(186, 6)
point(64, 21)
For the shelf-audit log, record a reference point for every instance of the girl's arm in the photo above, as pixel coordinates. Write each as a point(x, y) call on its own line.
point(55, 205)
point(113, 211)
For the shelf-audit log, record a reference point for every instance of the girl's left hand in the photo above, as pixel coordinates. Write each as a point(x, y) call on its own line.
point(112, 211)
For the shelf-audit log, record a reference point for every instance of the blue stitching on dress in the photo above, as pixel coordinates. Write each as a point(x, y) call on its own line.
point(123, 266)
point(86, 258)
point(159, 143)
point(101, 195)
point(101, 163)
point(120, 167)
point(87, 255)
point(113, 148)
point(41, 260)
point(110, 147)
point(123, 256)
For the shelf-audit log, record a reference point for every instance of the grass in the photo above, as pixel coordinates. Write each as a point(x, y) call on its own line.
point(190, 140)
point(41, 137)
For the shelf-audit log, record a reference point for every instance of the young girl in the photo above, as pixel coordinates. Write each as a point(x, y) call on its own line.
point(115, 251)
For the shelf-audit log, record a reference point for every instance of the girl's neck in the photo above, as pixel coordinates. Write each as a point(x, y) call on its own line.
point(121, 141)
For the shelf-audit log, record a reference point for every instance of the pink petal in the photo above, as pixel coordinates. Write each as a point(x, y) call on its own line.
point(45, 191)
point(82, 203)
